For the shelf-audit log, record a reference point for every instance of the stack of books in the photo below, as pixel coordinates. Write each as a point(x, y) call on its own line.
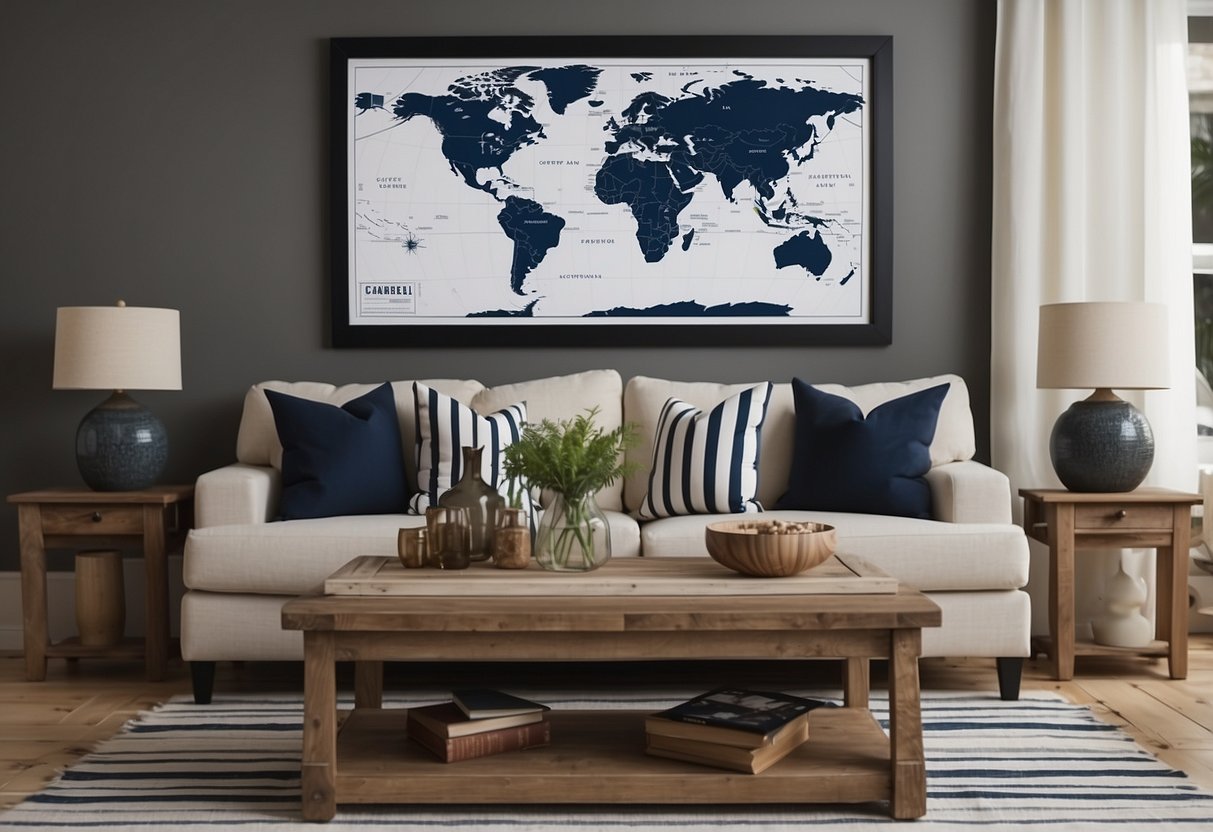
point(742, 730)
point(477, 723)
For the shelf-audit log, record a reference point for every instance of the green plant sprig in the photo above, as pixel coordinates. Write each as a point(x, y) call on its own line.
point(572, 456)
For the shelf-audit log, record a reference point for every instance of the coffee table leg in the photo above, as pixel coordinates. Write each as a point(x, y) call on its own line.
point(368, 684)
point(855, 683)
point(909, 771)
point(319, 775)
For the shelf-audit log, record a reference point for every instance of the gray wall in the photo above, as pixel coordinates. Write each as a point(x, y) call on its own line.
point(174, 154)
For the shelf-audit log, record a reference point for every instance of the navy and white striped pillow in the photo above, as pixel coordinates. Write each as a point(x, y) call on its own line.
point(444, 427)
point(707, 463)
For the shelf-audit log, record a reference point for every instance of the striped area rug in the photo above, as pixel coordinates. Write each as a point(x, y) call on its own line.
point(1037, 763)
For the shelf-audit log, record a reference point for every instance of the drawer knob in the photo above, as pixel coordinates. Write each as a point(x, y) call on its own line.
point(1121, 514)
point(96, 517)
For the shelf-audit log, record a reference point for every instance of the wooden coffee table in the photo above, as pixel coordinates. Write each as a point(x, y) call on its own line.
point(598, 756)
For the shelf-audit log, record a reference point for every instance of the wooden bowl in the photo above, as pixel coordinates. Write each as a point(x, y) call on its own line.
point(744, 546)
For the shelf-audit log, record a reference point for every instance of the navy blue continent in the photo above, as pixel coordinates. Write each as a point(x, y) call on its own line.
point(655, 192)
point(740, 131)
point(806, 250)
point(470, 139)
point(690, 308)
point(534, 232)
point(567, 84)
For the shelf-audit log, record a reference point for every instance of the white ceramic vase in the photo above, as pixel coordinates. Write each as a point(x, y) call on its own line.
point(1122, 624)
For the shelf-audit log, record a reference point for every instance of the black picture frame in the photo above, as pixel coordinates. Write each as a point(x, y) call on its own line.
point(497, 332)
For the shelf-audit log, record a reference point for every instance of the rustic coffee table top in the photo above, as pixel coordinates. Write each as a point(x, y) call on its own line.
point(576, 606)
point(622, 576)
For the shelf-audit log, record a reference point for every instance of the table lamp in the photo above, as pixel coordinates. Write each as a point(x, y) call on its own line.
point(1102, 443)
point(120, 444)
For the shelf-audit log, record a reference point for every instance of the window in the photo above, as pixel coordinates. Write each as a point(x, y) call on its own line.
point(1200, 104)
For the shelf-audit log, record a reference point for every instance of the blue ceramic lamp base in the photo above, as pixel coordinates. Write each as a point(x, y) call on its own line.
point(1102, 444)
point(121, 445)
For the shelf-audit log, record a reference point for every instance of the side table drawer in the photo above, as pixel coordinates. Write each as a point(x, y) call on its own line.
point(68, 518)
point(1104, 516)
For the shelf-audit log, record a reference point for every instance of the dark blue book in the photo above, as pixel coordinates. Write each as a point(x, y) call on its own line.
point(484, 703)
point(757, 712)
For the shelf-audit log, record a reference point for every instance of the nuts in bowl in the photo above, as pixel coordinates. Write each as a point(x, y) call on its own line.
point(770, 548)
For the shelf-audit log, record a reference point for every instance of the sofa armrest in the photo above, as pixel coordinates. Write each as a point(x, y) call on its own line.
point(236, 495)
point(969, 492)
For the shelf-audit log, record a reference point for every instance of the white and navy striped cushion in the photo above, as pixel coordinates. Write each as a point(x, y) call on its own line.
point(707, 463)
point(444, 427)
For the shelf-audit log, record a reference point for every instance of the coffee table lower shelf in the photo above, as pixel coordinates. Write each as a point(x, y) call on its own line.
point(598, 757)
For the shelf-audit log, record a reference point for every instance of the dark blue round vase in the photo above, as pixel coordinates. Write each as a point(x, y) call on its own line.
point(121, 446)
point(1102, 446)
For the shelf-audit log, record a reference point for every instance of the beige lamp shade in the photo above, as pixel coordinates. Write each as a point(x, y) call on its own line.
point(1103, 344)
point(117, 348)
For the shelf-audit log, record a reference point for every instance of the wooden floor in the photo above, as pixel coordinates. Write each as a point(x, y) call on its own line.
point(45, 726)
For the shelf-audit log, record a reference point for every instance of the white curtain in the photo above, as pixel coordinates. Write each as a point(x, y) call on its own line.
point(1091, 202)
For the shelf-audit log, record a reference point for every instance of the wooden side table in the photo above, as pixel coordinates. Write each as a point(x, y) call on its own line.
point(1148, 517)
point(79, 517)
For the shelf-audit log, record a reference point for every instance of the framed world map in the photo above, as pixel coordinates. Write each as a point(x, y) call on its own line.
point(611, 191)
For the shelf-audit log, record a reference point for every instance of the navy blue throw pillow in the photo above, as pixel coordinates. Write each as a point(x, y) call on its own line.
point(340, 460)
point(842, 461)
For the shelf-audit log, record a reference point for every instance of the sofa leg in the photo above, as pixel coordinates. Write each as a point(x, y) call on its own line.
point(1009, 672)
point(203, 676)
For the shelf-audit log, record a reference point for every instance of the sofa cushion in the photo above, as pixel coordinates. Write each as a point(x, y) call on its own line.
point(925, 554)
point(444, 427)
point(339, 460)
point(643, 398)
point(563, 397)
point(843, 460)
point(954, 438)
point(705, 462)
point(294, 557)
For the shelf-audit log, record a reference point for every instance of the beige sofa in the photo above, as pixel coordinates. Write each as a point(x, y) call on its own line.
point(241, 566)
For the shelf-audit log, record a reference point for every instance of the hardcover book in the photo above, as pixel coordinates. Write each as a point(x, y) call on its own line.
point(655, 726)
point(446, 720)
point(745, 718)
point(456, 749)
point(483, 703)
point(751, 760)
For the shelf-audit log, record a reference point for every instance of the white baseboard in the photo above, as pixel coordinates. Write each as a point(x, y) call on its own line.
point(61, 602)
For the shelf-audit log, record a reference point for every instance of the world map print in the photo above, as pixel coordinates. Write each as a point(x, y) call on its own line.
point(606, 189)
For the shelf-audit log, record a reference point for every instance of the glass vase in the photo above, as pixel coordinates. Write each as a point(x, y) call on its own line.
point(481, 501)
point(573, 535)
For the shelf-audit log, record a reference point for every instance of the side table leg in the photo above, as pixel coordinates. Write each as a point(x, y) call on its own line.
point(33, 591)
point(856, 683)
point(155, 593)
point(1171, 571)
point(1061, 589)
point(909, 769)
point(319, 774)
point(368, 684)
